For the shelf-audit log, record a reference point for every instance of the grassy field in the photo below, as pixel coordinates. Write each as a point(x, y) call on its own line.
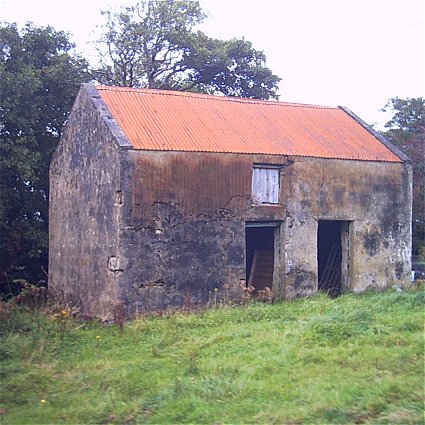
point(350, 360)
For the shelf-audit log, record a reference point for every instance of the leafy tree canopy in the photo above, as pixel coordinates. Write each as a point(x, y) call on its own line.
point(39, 79)
point(408, 118)
point(154, 44)
point(406, 129)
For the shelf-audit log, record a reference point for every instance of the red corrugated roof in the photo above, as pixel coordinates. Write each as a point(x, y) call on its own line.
point(181, 121)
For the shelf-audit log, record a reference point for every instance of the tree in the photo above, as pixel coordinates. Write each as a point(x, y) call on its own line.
point(406, 129)
point(153, 44)
point(39, 79)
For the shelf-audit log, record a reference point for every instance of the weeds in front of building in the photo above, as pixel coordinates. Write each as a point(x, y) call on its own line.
point(351, 359)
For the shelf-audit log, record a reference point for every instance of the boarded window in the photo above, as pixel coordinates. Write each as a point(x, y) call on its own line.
point(265, 184)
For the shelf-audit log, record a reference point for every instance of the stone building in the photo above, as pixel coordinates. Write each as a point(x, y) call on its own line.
point(162, 199)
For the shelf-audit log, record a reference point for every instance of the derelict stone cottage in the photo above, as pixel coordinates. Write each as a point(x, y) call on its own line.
point(159, 199)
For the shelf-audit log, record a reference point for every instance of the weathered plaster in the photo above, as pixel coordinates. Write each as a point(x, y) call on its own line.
point(374, 196)
point(85, 213)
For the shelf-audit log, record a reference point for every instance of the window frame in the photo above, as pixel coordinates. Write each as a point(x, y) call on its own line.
point(260, 190)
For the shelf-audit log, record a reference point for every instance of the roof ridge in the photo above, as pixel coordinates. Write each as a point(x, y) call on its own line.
point(160, 92)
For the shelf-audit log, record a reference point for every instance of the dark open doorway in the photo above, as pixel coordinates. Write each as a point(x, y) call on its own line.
point(332, 255)
point(260, 243)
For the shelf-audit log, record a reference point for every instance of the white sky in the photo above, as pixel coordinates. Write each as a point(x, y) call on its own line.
point(355, 53)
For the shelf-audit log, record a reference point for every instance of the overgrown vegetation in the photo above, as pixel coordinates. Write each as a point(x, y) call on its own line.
point(39, 79)
point(354, 359)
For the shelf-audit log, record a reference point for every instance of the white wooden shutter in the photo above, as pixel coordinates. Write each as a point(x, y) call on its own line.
point(265, 185)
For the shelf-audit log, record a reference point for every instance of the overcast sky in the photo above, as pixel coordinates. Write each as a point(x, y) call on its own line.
point(355, 53)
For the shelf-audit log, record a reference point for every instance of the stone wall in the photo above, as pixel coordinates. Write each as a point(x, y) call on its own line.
point(155, 230)
point(85, 211)
point(184, 235)
point(375, 197)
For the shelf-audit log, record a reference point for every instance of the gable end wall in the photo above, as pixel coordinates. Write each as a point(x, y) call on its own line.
point(85, 210)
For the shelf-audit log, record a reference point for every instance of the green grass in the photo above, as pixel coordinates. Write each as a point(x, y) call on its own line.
point(354, 359)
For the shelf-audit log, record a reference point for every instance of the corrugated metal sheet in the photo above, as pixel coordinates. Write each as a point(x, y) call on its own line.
point(178, 121)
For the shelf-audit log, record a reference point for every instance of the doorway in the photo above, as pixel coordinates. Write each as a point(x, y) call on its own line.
point(333, 252)
point(260, 254)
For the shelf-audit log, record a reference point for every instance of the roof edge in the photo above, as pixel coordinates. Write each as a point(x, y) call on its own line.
point(121, 139)
point(394, 149)
point(289, 155)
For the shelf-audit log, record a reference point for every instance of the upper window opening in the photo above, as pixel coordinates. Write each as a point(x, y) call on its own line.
point(265, 184)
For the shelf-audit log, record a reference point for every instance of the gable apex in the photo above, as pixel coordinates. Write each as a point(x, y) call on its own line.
point(121, 139)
